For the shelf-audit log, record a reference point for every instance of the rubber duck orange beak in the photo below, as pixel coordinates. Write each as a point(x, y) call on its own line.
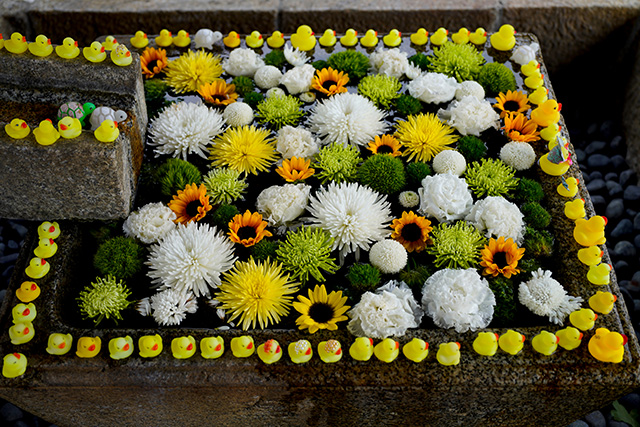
point(75, 44)
point(250, 346)
point(16, 355)
point(557, 340)
point(115, 124)
point(218, 347)
point(339, 351)
point(33, 287)
point(334, 33)
point(26, 312)
point(145, 36)
point(92, 347)
point(24, 39)
point(26, 331)
point(615, 298)
point(559, 106)
point(458, 344)
point(523, 338)
point(397, 345)
point(48, 41)
point(24, 125)
point(595, 317)
point(62, 345)
point(49, 120)
point(581, 335)
point(43, 262)
point(127, 54)
point(605, 220)
point(624, 339)
point(63, 127)
point(126, 347)
point(189, 347)
point(102, 50)
point(155, 347)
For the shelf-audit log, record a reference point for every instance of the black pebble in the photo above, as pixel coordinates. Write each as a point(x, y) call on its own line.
point(623, 229)
point(598, 161)
point(618, 162)
point(624, 249)
point(614, 188)
point(580, 155)
point(615, 209)
point(628, 176)
point(596, 185)
point(595, 147)
point(599, 203)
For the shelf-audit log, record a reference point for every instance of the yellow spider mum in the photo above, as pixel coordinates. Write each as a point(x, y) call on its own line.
point(191, 204)
point(295, 169)
point(330, 81)
point(385, 144)
point(321, 311)
point(153, 61)
point(245, 149)
point(519, 128)
point(191, 70)
point(218, 92)
point(412, 231)
point(423, 136)
point(513, 102)
point(501, 257)
point(248, 229)
point(256, 292)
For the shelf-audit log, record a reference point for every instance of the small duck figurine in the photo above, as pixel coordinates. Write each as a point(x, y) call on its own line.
point(448, 353)
point(574, 209)
point(16, 44)
point(534, 81)
point(68, 49)
point(45, 133)
point(139, 40)
point(211, 347)
point(300, 351)
point(1, 41)
point(416, 350)
point(330, 351)
point(511, 342)
point(530, 68)
point(14, 365)
point(254, 40)
point(232, 40)
point(539, 95)
point(182, 39)
point(504, 39)
point(607, 346)
point(37, 268)
point(28, 291)
point(361, 349)
point(590, 232)
point(275, 40)
point(591, 255)
point(150, 345)
point(569, 338)
point(478, 37)
point(88, 347)
point(557, 161)
point(602, 302)
point(17, 129)
point(205, 38)
point(387, 350)
point(69, 127)
point(545, 343)
point(21, 333)
point(48, 230)
point(164, 39)
point(546, 113)
point(242, 346)
point(439, 37)
point(461, 37)
point(350, 38)
point(269, 352)
point(303, 39)
point(393, 39)
point(420, 37)
point(121, 56)
point(41, 47)
point(486, 343)
point(583, 319)
point(120, 347)
point(59, 344)
point(94, 53)
point(183, 347)
point(110, 43)
point(599, 274)
point(107, 131)
point(24, 312)
point(46, 248)
point(550, 132)
point(328, 38)
point(370, 38)
point(568, 187)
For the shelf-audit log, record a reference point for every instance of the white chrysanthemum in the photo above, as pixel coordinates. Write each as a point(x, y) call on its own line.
point(242, 62)
point(205, 38)
point(392, 62)
point(298, 79)
point(355, 216)
point(307, 97)
point(460, 299)
point(280, 204)
point(347, 118)
point(496, 216)
point(267, 77)
point(433, 88)
point(449, 161)
point(390, 311)
point(470, 115)
point(275, 92)
point(170, 307)
point(388, 255)
point(296, 142)
point(409, 199)
point(295, 57)
point(517, 154)
point(185, 128)
point(190, 259)
point(413, 71)
point(525, 54)
point(470, 88)
point(544, 296)
point(238, 114)
point(150, 223)
point(445, 197)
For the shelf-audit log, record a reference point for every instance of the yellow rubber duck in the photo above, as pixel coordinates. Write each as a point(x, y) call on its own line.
point(550, 132)
point(361, 349)
point(107, 131)
point(599, 274)
point(591, 255)
point(439, 37)
point(574, 209)
point(232, 40)
point(590, 232)
point(110, 43)
point(254, 40)
point(139, 40)
point(68, 49)
point(461, 37)
point(164, 39)
point(448, 353)
point(556, 162)
point(1, 41)
point(539, 95)
point(416, 350)
point(387, 350)
point(534, 81)
point(41, 47)
point(38, 268)
point(48, 230)
point(300, 351)
point(28, 291)
point(17, 129)
point(420, 37)
point(570, 338)
point(21, 333)
point(59, 344)
point(150, 345)
point(568, 188)
point(370, 39)
point(211, 347)
point(545, 343)
point(602, 302)
point(120, 347)
point(88, 347)
point(546, 113)
point(504, 39)
point(69, 127)
point(14, 365)
point(269, 352)
point(350, 38)
point(275, 40)
point(583, 319)
point(183, 347)
point(607, 346)
point(330, 351)
point(242, 346)
point(393, 39)
point(511, 342)
point(45, 133)
point(16, 44)
point(23, 312)
point(479, 36)
point(94, 53)
point(328, 38)
point(486, 343)
point(121, 56)
point(531, 68)
point(46, 248)
point(303, 38)
point(182, 39)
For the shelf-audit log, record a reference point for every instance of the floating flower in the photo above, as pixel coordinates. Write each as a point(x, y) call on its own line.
point(150, 223)
point(190, 204)
point(423, 136)
point(513, 102)
point(267, 77)
point(218, 93)
point(248, 229)
point(412, 231)
point(498, 217)
point(519, 155)
point(282, 204)
point(385, 144)
point(545, 296)
point(330, 81)
point(296, 142)
point(462, 61)
point(491, 177)
point(320, 311)
point(337, 163)
point(106, 297)
point(245, 149)
point(169, 307)
point(238, 114)
point(470, 115)
point(295, 169)
point(298, 79)
point(305, 252)
point(470, 88)
point(433, 88)
point(389, 256)
point(242, 62)
point(191, 70)
point(391, 62)
point(449, 161)
point(382, 90)
point(501, 257)
point(295, 56)
point(518, 128)
point(445, 197)
point(153, 61)
point(409, 199)
point(456, 246)
point(224, 185)
point(279, 111)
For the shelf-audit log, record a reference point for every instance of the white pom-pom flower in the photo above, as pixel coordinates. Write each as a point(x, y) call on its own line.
point(392, 62)
point(544, 296)
point(298, 79)
point(150, 223)
point(517, 154)
point(445, 197)
point(280, 204)
point(275, 92)
point(296, 142)
point(470, 88)
point(242, 62)
point(295, 57)
point(238, 114)
point(409, 199)
point(267, 77)
point(497, 216)
point(470, 116)
point(525, 54)
point(389, 256)
point(449, 161)
point(170, 307)
point(433, 88)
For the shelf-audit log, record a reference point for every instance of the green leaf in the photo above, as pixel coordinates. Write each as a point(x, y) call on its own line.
point(620, 413)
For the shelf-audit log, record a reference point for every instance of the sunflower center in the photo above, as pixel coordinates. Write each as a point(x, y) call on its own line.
point(192, 208)
point(500, 259)
point(411, 232)
point(511, 106)
point(320, 312)
point(384, 149)
point(219, 97)
point(328, 83)
point(152, 64)
point(246, 232)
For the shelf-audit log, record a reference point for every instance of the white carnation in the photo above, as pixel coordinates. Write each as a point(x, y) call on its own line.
point(525, 54)
point(449, 161)
point(519, 155)
point(470, 88)
point(445, 197)
point(170, 307)
point(298, 79)
point(389, 256)
point(295, 57)
point(150, 223)
point(267, 77)
point(433, 88)
point(413, 71)
point(282, 204)
point(296, 142)
point(238, 114)
point(544, 296)
point(470, 116)
point(242, 62)
point(392, 62)
point(497, 216)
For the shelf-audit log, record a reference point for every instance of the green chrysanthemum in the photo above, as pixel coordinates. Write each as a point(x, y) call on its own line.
point(383, 173)
point(224, 185)
point(355, 64)
point(382, 90)
point(306, 252)
point(176, 174)
point(490, 177)
point(456, 246)
point(462, 61)
point(337, 163)
point(495, 78)
point(104, 298)
point(279, 111)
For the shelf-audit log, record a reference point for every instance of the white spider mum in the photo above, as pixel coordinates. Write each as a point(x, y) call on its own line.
point(355, 216)
point(390, 62)
point(190, 259)
point(150, 223)
point(445, 197)
point(280, 204)
point(238, 114)
point(433, 88)
point(170, 307)
point(347, 118)
point(295, 57)
point(267, 77)
point(544, 296)
point(185, 128)
point(298, 79)
point(470, 115)
point(242, 62)
point(296, 142)
point(497, 216)
point(517, 154)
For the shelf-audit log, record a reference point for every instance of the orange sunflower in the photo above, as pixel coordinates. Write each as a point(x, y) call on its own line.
point(385, 144)
point(330, 81)
point(513, 102)
point(519, 128)
point(501, 257)
point(412, 231)
point(295, 169)
point(218, 92)
point(153, 61)
point(248, 229)
point(191, 204)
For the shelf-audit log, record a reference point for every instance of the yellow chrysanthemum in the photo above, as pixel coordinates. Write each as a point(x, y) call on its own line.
point(295, 169)
point(412, 231)
point(330, 81)
point(191, 70)
point(385, 144)
point(245, 149)
point(218, 92)
point(321, 311)
point(153, 61)
point(519, 128)
point(256, 292)
point(191, 204)
point(423, 136)
point(248, 229)
point(513, 102)
point(501, 257)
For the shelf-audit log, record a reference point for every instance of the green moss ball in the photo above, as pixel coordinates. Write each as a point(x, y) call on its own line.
point(355, 64)
point(244, 85)
point(176, 174)
point(120, 256)
point(383, 173)
point(535, 215)
point(363, 277)
point(223, 215)
point(275, 58)
point(495, 78)
point(253, 99)
point(416, 172)
point(528, 190)
point(472, 148)
point(408, 105)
